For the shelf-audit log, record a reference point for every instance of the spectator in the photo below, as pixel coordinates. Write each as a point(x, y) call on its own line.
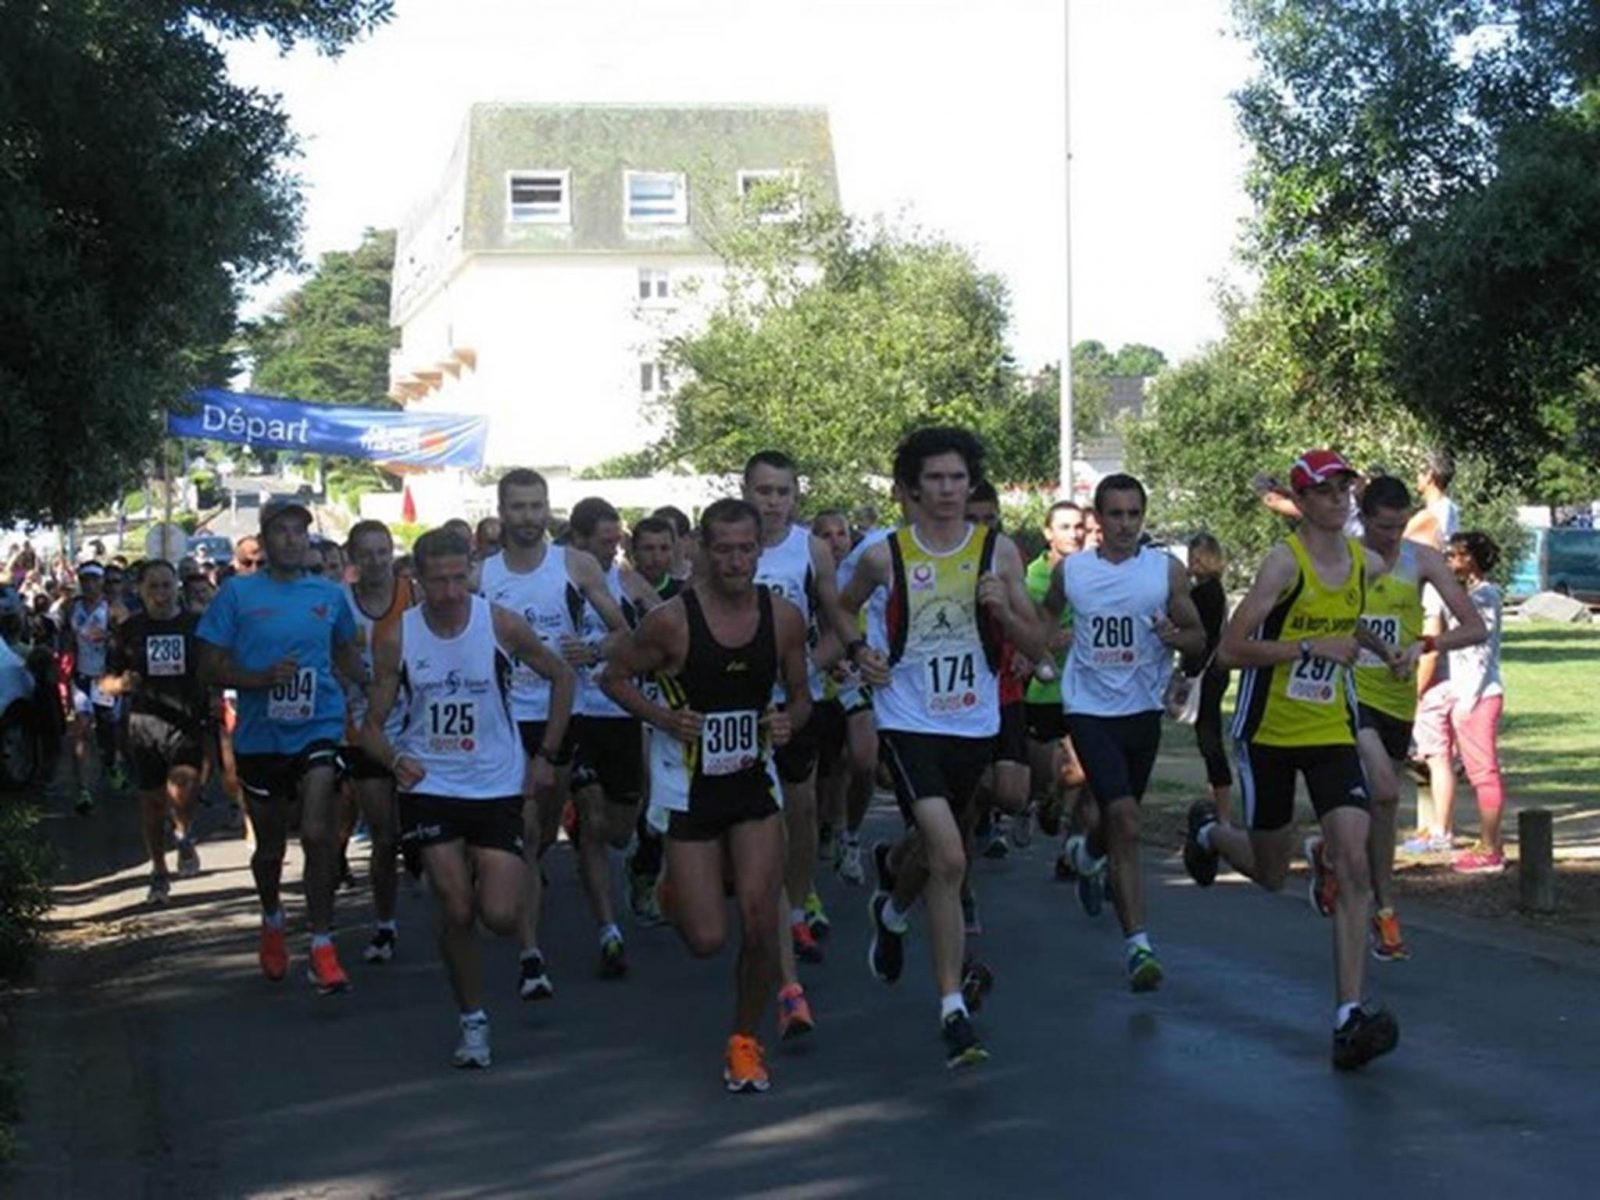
point(1206, 563)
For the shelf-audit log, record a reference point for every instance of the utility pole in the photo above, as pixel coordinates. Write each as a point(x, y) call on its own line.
point(1068, 439)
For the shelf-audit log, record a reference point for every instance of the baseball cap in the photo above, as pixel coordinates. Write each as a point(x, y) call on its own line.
point(91, 568)
point(282, 505)
point(1317, 466)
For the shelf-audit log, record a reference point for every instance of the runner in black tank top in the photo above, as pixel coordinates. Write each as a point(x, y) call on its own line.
point(716, 651)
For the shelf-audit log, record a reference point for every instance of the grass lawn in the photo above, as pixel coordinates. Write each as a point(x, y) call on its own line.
point(1550, 738)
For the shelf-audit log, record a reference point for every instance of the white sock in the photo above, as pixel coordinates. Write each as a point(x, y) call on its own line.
point(893, 919)
point(391, 925)
point(797, 916)
point(851, 837)
point(476, 1017)
point(1137, 941)
point(274, 920)
point(1204, 836)
point(320, 939)
point(609, 931)
point(951, 1002)
point(531, 952)
point(1343, 1014)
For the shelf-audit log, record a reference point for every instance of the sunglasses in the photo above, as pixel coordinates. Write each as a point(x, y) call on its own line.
point(252, 562)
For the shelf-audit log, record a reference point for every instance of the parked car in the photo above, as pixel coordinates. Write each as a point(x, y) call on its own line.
point(1565, 560)
point(218, 549)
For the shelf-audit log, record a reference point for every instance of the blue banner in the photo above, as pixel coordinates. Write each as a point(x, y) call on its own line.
point(414, 439)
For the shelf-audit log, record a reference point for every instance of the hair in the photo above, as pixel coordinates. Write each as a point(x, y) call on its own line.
point(983, 492)
point(1440, 466)
point(1479, 546)
point(481, 533)
point(588, 513)
point(830, 514)
point(676, 517)
point(152, 564)
point(646, 526)
point(1384, 491)
point(443, 542)
point(776, 459)
point(461, 525)
point(360, 530)
point(1119, 482)
point(1061, 506)
point(519, 477)
point(922, 444)
point(728, 511)
point(1206, 560)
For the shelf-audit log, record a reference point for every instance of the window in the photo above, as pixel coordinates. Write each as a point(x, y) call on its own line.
point(775, 192)
point(654, 284)
point(656, 198)
point(539, 197)
point(653, 379)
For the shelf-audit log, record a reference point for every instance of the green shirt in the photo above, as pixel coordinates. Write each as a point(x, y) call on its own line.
point(1037, 581)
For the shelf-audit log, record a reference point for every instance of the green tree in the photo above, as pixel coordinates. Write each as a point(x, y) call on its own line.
point(140, 190)
point(1138, 359)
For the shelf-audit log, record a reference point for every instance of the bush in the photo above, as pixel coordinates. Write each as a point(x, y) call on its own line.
point(26, 862)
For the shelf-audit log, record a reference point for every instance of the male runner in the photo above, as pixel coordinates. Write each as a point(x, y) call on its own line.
point(654, 549)
point(609, 765)
point(1294, 634)
point(275, 637)
point(88, 626)
point(955, 591)
point(1130, 611)
point(458, 759)
point(718, 649)
point(1438, 520)
point(153, 660)
point(531, 576)
point(376, 599)
point(1386, 693)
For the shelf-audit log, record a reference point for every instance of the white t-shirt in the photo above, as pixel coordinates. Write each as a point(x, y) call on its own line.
point(1475, 670)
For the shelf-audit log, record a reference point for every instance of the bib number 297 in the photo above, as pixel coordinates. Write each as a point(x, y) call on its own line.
point(1314, 680)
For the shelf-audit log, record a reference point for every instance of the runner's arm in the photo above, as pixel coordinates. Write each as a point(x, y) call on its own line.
point(585, 572)
point(1187, 632)
point(840, 623)
point(872, 572)
point(381, 696)
point(1004, 593)
point(1240, 647)
point(660, 643)
point(517, 636)
point(790, 630)
point(1470, 630)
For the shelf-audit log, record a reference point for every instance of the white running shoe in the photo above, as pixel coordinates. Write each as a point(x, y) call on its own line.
point(473, 1048)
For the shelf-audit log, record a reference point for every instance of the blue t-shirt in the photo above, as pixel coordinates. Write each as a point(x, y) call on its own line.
point(262, 621)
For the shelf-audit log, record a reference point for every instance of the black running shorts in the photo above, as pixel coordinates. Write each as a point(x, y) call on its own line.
point(1333, 776)
point(278, 776)
point(487, 824)
point(1117, 754)
point(156, 746)
point(1394, 733)
point(925, 766)
point(611, 755)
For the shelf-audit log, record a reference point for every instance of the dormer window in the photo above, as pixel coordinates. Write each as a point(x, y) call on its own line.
point(656, 197)
point(539, 197)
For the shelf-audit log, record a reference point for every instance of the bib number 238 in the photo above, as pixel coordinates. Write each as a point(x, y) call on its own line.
point(293, 700)
point(728, 742)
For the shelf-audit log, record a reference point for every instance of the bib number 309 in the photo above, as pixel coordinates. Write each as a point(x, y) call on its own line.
point(293, 700)
point(729, 742)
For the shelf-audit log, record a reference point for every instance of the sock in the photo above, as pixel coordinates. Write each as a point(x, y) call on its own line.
point(893, 919)
point(274, 920)
point(391, 925)
point(951, 1003)
point(790, 989)
point(318, 940)
point(531, 953)
point(609, 931)
point(1137, 941)
point(797, 916)
point(476, 1017)
point(1344, 1013)
point(1204, 836)
point(851, 837)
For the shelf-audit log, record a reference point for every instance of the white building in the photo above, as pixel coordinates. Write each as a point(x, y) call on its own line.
point(560, 245)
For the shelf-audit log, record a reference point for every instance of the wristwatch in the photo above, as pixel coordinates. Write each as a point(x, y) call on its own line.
point(1305, 648)
point(554, 757)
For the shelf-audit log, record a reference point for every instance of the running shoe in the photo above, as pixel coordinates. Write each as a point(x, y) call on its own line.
point(613, 957)
point(850, 868)
point(1091, 872)
point(382, 946)
point(1387, 945)
point(84, 805)
point(794, 1014)
point(324, 971)
point(817, 916)
point(1323, 889)
point(977, 981)
point(642, 899)
point(361, 835)
point(1423, 842)
point(1021, 831)
point(534, 983)
point(1197, 860)
point(1065, 871)
point(806, 948)
point(117, 778)
point(1479, 862)
point(1363, 1037)
point(880, 862)
point(273, 953)
point(472, 1050)
point(188, 859)
point(744, 1067)
point(995, 844)
point(160, 890)
point(886, 954)
point(1051, 813)
point(1144, 972)
point(961, 1045)
point(970, 919)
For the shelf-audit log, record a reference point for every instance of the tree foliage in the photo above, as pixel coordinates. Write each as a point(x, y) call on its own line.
point(139, 191)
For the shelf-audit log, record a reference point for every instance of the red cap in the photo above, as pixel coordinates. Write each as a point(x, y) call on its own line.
point(1317, 466)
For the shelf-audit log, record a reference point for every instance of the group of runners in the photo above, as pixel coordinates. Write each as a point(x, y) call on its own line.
point(721, 696)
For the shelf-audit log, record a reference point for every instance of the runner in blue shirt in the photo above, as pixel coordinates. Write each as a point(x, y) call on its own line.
point(275, 636)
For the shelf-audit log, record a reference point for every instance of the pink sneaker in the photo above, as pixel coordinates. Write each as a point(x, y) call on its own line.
point(1479, 862)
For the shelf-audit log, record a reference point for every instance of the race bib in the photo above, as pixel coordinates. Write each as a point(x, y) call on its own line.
point(293, 700)
point(165, 654)
point(1112, 641)
point(730, 742)
point(952, 683)
point(1314, 680)
point(452, 726)
point(1387, 630)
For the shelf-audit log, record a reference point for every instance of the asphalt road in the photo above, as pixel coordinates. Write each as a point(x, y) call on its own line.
point(160, 1063)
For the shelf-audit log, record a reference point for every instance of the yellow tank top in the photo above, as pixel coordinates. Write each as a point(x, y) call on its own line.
point(1307, 701)
point(1394, 614)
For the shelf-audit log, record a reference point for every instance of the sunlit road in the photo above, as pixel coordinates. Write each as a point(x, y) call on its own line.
point(175, 1070)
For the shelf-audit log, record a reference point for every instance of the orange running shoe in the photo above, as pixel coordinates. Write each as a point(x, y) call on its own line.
point(794, 1014)
point(273, 953)
point(1324, 887)
point(324, 971)
point(744, 1069)
point(1387, 944)
point(806, 948)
